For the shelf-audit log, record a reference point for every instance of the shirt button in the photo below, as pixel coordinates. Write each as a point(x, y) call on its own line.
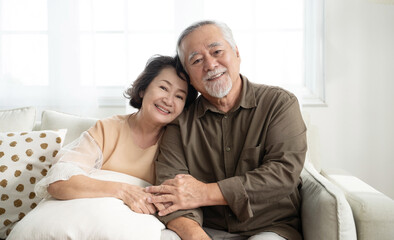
point(228, 149)
point(225, 116)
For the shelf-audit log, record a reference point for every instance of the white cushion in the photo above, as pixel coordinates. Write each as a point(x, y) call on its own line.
point(325, 212)
point(19, 119)
point(25, 157)
point(75, 125)
point(89, 218)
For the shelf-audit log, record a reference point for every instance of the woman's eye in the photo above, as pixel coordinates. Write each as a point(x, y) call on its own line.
point(164, 88)
point(180, 97)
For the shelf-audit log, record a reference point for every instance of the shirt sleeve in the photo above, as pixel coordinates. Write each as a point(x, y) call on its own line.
point(170, 162)
point(282, 158)
point(80, 157)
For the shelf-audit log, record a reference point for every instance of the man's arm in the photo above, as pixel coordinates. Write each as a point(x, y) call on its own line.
point(187, 229)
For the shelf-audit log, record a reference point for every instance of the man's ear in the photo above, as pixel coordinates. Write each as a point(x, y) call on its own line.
point(237, 52)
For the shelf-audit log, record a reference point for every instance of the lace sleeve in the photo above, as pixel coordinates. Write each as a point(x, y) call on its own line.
point(81, 157)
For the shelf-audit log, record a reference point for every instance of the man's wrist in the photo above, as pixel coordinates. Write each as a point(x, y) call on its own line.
point(214, 195)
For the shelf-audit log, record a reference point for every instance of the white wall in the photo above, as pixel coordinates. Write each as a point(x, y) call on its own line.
point(356, 129)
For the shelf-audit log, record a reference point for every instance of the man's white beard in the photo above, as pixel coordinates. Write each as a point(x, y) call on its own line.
point(219, 88)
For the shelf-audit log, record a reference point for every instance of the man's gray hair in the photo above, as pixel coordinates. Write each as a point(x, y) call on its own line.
point(226, 31)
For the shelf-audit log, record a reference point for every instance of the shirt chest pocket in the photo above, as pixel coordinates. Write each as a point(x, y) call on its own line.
point(249, 159)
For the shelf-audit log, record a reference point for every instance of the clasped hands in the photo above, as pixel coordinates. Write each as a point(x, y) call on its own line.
point(181, 192)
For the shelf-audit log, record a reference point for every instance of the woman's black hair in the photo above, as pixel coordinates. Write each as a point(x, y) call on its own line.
point(153, 68)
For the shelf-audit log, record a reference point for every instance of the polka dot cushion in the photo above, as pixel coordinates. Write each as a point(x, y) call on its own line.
point(25, 157)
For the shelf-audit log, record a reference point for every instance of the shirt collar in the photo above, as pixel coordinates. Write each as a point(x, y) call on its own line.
point(248, 100)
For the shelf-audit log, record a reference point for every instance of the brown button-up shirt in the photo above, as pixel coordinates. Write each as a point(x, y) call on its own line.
point(255, 152)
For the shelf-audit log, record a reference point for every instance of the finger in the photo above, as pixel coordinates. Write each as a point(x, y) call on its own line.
point(159, 189)
point(161, 198)
point(167, 205)
point(151, 208)
point(169, 210)
point(135, 208)
point(159, 206)
point(143, 205)
point(181, 175)
point(170, 182)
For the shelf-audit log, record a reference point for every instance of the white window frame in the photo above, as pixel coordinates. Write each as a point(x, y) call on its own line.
point(312, 94)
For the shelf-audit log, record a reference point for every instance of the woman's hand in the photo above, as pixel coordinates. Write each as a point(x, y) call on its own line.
point(136, 198)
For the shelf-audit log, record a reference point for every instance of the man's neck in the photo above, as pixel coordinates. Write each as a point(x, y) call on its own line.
point(227, 102)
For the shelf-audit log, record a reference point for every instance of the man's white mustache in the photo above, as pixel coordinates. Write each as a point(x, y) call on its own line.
point(213, 73)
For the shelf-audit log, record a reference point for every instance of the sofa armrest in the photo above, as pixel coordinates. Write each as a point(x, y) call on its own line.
point(325, 212)
point(373, 211)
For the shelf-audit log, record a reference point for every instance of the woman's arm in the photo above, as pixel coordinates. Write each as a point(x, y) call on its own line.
point(80, 186)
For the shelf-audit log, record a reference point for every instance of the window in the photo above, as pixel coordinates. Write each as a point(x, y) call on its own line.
point(86, 52)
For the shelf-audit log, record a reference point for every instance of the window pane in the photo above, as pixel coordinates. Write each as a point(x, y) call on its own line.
point(101, 15)
point(280, 14)
point(279, 58)
point(24, 59)
point(245, 43)
point(86, 60)
point(234, 10)
point(144, 46)
point(108, 15)
point(24, 15)
point(110, 60)
point(85, 8)
point(151, 15)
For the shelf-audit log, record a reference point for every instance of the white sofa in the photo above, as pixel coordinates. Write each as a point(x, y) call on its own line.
point(335, 204)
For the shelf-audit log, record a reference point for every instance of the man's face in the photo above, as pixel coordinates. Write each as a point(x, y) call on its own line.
point(213, 66)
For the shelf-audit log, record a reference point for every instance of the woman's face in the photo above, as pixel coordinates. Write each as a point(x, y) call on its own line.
point(165, 97)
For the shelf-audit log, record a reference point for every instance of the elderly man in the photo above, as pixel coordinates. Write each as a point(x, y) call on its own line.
point(229, 166)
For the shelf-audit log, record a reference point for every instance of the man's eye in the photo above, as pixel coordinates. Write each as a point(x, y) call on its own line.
point(217, 52)
point(196, 61)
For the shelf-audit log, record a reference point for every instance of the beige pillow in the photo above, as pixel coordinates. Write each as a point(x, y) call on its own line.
point(19, 119)
point(25, 157)
point(75, 125)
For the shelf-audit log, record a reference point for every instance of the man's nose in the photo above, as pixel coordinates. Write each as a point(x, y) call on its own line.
point(210, 63)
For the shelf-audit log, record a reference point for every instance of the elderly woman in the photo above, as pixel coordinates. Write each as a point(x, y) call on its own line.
point(124, 143)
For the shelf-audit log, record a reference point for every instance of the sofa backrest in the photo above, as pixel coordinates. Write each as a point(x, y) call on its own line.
point(75, 125)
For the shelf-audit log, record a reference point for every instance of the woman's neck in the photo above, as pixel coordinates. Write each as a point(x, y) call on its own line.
point(145, 132)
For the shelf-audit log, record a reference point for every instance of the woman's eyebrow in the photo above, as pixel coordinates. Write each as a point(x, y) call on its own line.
point(169, 83)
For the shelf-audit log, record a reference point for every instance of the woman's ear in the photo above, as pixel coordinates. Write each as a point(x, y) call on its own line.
point(141, 94)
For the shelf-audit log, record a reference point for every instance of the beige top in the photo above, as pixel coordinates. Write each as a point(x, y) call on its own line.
point(106, 146)
point(120, 152)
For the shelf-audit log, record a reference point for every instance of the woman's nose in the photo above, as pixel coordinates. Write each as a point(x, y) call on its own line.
point(168, 100)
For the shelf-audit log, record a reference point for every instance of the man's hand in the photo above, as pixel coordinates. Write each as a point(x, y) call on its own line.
point(183, 191)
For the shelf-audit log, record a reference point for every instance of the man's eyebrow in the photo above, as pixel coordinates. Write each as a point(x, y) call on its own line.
point(212, 45)
point(192, 55)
